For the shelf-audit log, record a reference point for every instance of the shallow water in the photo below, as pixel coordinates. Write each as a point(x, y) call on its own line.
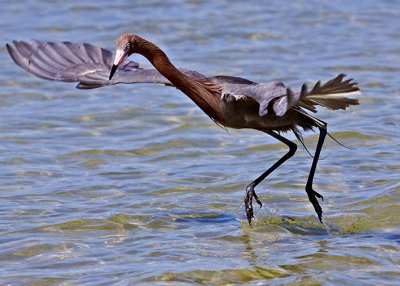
point(134, 185)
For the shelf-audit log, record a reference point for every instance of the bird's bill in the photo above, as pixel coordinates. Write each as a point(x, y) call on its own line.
point(119, 58)
point(113, 70)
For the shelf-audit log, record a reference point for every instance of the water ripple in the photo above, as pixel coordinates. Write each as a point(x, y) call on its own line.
point(134, 185)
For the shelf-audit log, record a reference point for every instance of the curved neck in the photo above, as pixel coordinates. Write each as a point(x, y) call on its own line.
point(203, 93)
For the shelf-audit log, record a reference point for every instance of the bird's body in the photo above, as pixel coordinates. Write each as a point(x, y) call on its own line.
point(229, 101)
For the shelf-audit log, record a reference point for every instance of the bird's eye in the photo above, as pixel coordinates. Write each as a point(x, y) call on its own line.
point(128, 46)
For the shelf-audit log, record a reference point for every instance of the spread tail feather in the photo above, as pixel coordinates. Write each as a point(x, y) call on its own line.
point(330, 95)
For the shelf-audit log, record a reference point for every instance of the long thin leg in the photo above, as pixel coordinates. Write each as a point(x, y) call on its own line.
point(313, 195)
point(250, 192)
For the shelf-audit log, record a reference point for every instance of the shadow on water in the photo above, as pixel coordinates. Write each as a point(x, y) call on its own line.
point(261, 245)
point(221, 277)
point(205, 218)
point(348, 224)
point(300, 225)
point(124, 222)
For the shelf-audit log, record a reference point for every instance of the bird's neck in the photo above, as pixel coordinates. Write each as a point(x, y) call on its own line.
point(204, 94)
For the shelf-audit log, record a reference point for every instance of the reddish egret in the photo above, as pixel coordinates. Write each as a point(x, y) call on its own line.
point(229, 101)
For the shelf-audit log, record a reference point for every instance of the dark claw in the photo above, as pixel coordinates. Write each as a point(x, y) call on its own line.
point(312, 196)
point(319, 196)
point(248, 202)
point(257, 199)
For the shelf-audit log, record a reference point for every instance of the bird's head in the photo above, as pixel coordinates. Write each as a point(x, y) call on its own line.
point(124, 47)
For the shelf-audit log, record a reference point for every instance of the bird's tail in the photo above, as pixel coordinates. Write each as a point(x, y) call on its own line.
point(331, 95)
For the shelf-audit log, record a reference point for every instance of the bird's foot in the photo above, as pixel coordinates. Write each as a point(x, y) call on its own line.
point(312, 196)
point(248, 202)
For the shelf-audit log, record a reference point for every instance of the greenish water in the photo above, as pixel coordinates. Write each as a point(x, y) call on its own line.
point(134, 185)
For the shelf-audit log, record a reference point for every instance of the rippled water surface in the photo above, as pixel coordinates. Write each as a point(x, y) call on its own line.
point(134, 185)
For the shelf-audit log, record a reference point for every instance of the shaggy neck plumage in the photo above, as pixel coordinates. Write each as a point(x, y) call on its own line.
point(203, 93)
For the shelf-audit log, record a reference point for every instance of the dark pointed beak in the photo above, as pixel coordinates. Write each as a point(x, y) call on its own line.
point(120, 56)
point(113, 70)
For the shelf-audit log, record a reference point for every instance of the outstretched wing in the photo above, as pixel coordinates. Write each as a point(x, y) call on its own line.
point(89, 65)
point(80, 62)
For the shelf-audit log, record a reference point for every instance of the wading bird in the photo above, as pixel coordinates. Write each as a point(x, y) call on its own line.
point(229, 101)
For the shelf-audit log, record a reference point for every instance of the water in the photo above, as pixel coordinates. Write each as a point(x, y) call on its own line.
point(134, 185)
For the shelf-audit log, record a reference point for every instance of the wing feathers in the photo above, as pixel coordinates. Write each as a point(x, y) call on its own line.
point(80, 62)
